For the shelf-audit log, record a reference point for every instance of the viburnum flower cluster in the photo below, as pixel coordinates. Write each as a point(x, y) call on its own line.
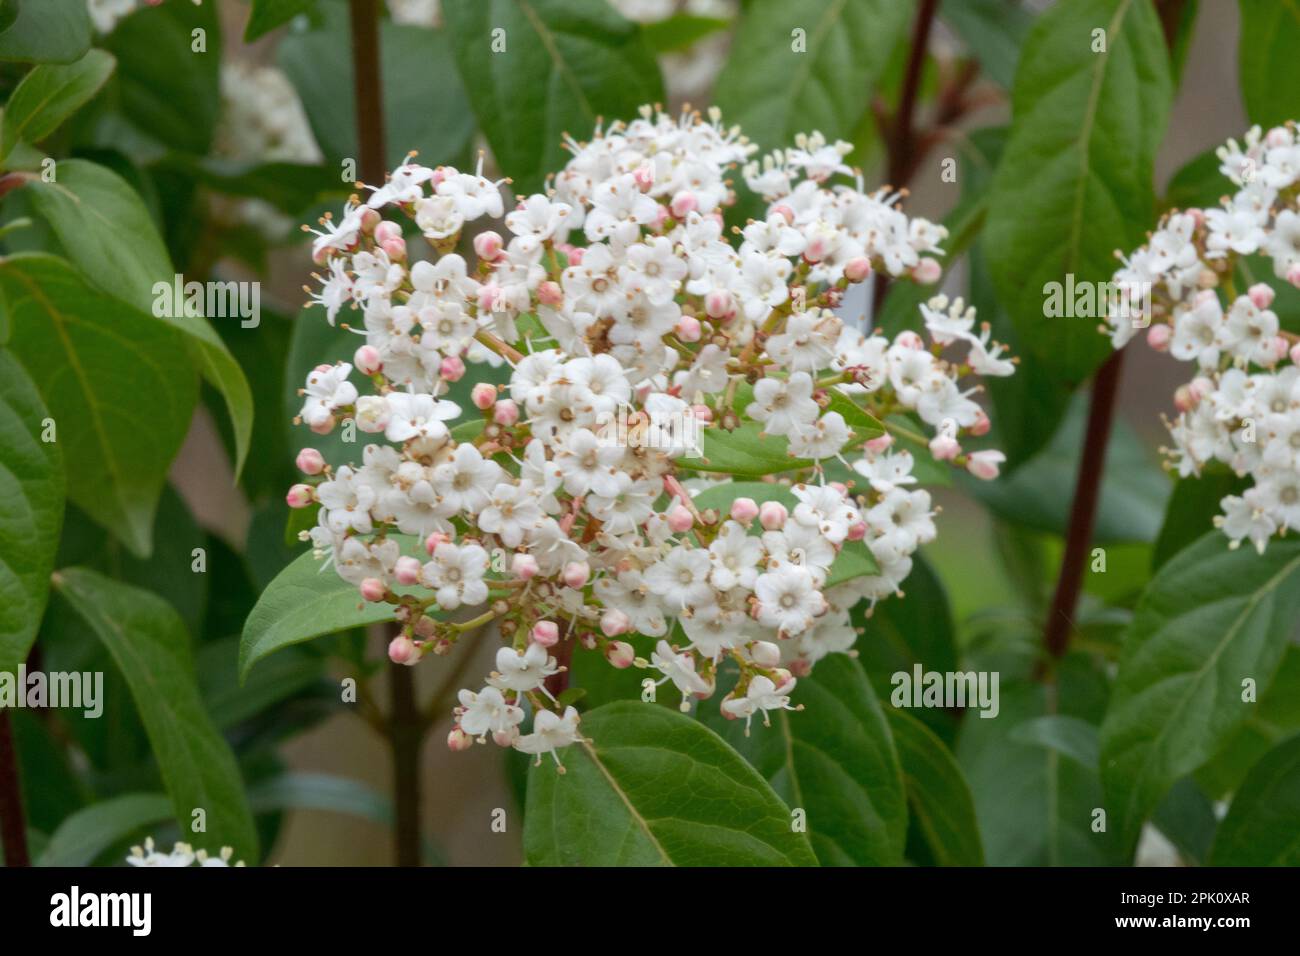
point(182, 854)
point(1242, 407)
point(642, 336)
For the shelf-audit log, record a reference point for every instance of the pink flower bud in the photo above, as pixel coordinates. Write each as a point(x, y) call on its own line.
point(407, 570)
point(401, 649)
point(910, 340)
point(620, 653)
point(981, 425)
point(684, 203)
point(614, 622)
point(944, 447)
point(452, 368)
point(1295, 353)
point(546, 633)
point(1293, 275)
point(573, 253)
point(458, 740)
point(772, 515)
point(1261, 294)
point(857, 531)
point(483, 395)
point(927, 271)
point(744, 510)
point(395, 249)
point(1158, 337)
point(718, 304)
point(680, 519)
point(880, 443)
point(1201, 387)
point(702, 413)
point(523, 566)
point(489, 296)
point(505, 412)
point(367, 360)
point(857, 269)
point(765, 653)
point(310, 461)
point(576, 573)
point(387, 230)
point(644, 177)
point(818, 248)
point(373, 590)
point(370, 220)
point(841, 487)
point(784, 211)
point(1184, 400)
point(550, 293)
point(299, 496)
point(688, 328)
point(488, 245)
point(435, 538)
point(984, 464)
point(325, 427)
point(1280, 346)
point(504, 738)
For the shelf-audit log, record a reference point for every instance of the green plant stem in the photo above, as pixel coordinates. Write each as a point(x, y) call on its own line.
point(13, 826)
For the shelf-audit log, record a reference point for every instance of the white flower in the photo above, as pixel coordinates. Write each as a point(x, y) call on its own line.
point(456, 575)
point(681, 579)
point(630, 594)
point(462, 482)
point(327, 390)
point(512, 512)
point(761, 695)
point(680, 669)
point(788, 599)
point(522, 671)
point(488, 712)
point(550, 733)
point(784, 406)
point(735, 556)
point(413, 415)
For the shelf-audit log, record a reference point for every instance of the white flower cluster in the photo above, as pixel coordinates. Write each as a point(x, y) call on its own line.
point(182, 854)
point(558, 512)
point(1243, 406)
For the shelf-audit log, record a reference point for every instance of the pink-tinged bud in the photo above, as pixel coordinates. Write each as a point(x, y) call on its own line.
point(841, 487)
point(310, 461)
point(1293, 275)
point(435, 538)
point(784, 211)
point(458, 740)
point(981, 425)
point(546, 633)
point(488, 245)
point(401, 649)
point(1295, 353)
point(505, 738)
point(452, 368)
point(1280, 346)
point(325, 427)
point(689, 328)
point(683, 204)
point(370, 220)
point(367, 360)
point(927, 271)
point(772, 515)
point(765, 653)
point(744, 510)
point(395, 249)
point(680, 519)
point(373, 590)
point(857, 269)
point(523, 566)
point(944, 447)
point(644, 177)
point(483, 395)
point(857, 531)
point(489, 297)
point(702, 413)
point(910, 340)
point(550, 293)
point(321, 256)
point(1278, 136)
point(1158, 337)
point(781, 677)
point(589, 640)
point(614, 622)
point(576, 574)
point(879, 443)
point(573, 253)
point(1201, 387)
point(1184, 400)
point(620, 653)
point(660, 220)
point(299, 496)
point(1262, 294)
point(407, 570)
point(818, 248)
point(387, 230)
point(984, 464)
point(718, 304)
point(505, 412)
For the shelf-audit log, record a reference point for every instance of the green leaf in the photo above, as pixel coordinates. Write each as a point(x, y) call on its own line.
point(425, 107)
point(835, 761)
point(266, 15)
point(567, 65)
point(110, 377)
point(937, 794)
point(1068, 736)
point(681, 31)
point(31, 484)
point(166, 88)
point(993, 30)
point(306, 600)
point(1075, 180)
point(89, 832)
point(778, 82)
point(722, 495)
point(106, 231)
point(1270, 72)
point(8, 14)
point(1262, 827)
point(1191, 509)
point(652, 787)
point(47, 31)
point(50, 94)
point(744, 453)
point(1211, 618)
point(1038, 494)
point(1198, 184)
point(150, 646)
